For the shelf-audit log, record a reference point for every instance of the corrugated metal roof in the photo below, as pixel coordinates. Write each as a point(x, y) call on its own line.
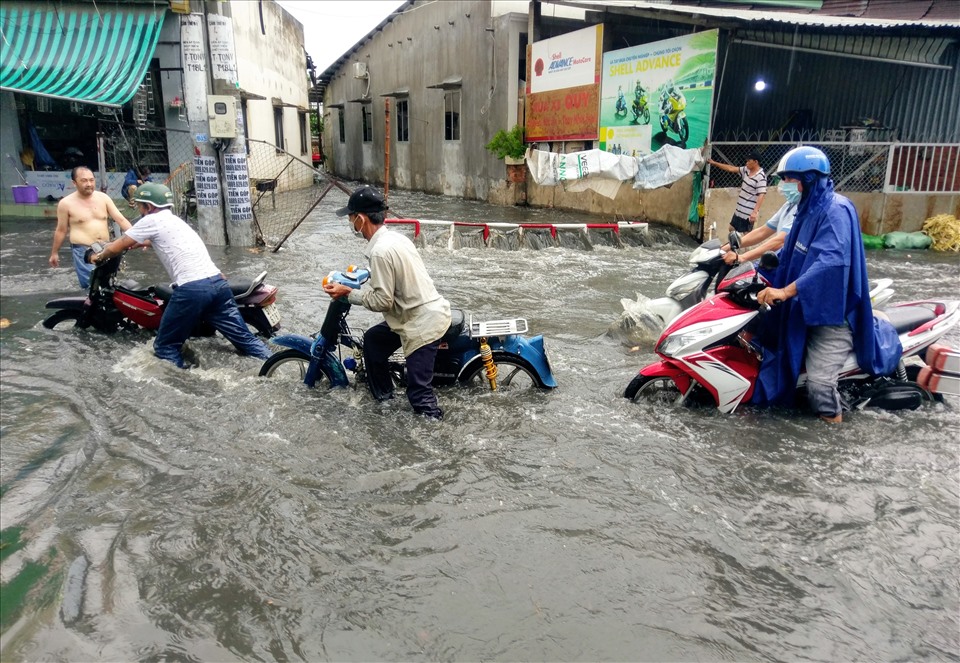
point(926, 51)
point(819, 19)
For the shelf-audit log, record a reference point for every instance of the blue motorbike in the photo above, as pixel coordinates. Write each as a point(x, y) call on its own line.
point(492, 355)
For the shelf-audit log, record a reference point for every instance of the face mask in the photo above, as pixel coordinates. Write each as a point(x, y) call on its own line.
point(356, 232)
point(790, 191)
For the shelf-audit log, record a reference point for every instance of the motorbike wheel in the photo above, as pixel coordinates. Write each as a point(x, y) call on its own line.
point(288, 365)
point(658, 390)
point(513, 374)
point(646, 116)
point(64, 317)
point(683, 128)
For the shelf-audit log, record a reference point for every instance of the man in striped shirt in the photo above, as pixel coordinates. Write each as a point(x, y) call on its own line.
point(753, 188)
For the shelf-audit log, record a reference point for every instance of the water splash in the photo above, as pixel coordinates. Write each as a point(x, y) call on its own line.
point(637, 325)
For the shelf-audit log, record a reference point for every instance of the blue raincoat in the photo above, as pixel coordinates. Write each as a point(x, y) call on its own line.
point(824, 254)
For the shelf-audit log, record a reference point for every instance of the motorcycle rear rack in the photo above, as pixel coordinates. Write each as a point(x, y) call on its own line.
point(497, 327)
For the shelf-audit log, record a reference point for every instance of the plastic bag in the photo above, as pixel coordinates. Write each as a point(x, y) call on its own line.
point(902, 240)
point(636, 326)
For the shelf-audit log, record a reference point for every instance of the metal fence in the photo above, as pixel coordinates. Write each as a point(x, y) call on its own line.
point(283, 187)
point(867, 166)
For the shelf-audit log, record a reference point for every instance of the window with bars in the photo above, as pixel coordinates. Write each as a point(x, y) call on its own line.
point(367, 115)
point(451, 115)
point(278, 126)
point(403, 121)
point(304, 144)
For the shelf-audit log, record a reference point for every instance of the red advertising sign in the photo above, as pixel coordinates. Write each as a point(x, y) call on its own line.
point(556, 112)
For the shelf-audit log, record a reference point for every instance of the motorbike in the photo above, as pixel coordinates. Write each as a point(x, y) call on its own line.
point(673, 116)
point(621, 109)
point(708, 356)
point(640, 109)
point(112, 305)
point(708, 268)
point(493, 354)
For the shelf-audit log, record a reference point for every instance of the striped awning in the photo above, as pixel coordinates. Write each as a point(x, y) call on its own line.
point(82, 53)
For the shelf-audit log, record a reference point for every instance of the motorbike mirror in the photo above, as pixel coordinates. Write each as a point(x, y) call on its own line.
point(734, 239)
point(769, 260)
point(95, 248)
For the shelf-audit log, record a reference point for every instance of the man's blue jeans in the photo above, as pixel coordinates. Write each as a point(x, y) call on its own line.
point(84, 268)
point(207, 299)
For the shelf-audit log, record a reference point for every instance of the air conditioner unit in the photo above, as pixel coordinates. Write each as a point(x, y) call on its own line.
point(359, 69)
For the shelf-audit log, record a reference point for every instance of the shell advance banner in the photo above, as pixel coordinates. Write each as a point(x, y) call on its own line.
point(563, 86)
point(658, 94)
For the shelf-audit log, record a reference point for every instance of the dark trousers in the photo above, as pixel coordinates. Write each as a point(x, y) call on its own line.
point(740, 224)
point(379, 342)
point(206, 299)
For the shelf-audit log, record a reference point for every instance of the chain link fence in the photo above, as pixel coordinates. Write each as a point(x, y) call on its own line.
point(855, 166)
point(283, 187)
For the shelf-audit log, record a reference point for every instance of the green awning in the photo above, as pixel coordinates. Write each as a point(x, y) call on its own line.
point(80, 53)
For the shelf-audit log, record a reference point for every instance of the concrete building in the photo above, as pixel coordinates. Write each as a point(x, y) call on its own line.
point(129, 109)
point(451, 74)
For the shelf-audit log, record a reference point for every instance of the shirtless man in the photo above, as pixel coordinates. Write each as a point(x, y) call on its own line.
point(86, 213)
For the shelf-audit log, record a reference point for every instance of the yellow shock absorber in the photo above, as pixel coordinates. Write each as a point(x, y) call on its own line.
point(487, 356)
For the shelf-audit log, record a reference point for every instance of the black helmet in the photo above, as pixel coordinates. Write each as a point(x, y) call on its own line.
point(365, 200)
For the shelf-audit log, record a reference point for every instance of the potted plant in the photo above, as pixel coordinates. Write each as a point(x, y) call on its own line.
point(509, 146)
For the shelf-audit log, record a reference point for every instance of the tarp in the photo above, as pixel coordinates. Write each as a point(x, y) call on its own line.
point(83, 53)
point(603, 172)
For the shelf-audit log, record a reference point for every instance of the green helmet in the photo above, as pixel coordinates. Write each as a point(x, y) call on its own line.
point(156, 194)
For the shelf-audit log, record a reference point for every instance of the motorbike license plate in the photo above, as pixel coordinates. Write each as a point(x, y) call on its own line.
point(273, 317)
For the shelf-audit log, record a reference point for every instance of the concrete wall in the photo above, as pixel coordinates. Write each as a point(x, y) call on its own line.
point(432, 43)
point(880, 213)
point(668, 206)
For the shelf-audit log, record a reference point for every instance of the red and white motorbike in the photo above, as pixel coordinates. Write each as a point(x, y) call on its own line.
point(708, 358)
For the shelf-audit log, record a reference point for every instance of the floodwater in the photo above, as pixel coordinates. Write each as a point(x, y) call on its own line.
point(153, 514)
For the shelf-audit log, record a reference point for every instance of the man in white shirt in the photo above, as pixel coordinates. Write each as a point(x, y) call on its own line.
point(415, 315)
point(200, 291)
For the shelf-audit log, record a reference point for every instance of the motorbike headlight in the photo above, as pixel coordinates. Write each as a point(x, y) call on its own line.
point(687, 339)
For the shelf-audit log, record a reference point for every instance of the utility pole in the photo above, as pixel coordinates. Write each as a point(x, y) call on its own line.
point(196, 66)
point(233, 150)
point(386, 149)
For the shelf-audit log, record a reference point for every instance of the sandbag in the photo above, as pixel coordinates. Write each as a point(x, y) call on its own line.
point(902, 240)
point(872, 241)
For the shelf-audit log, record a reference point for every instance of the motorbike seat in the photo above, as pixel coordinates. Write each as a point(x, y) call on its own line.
point(907, 318)
point(164, 291)
point(237, 286)
point(457, 320)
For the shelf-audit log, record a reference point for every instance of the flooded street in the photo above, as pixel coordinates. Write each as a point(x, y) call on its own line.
point(154, 514)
